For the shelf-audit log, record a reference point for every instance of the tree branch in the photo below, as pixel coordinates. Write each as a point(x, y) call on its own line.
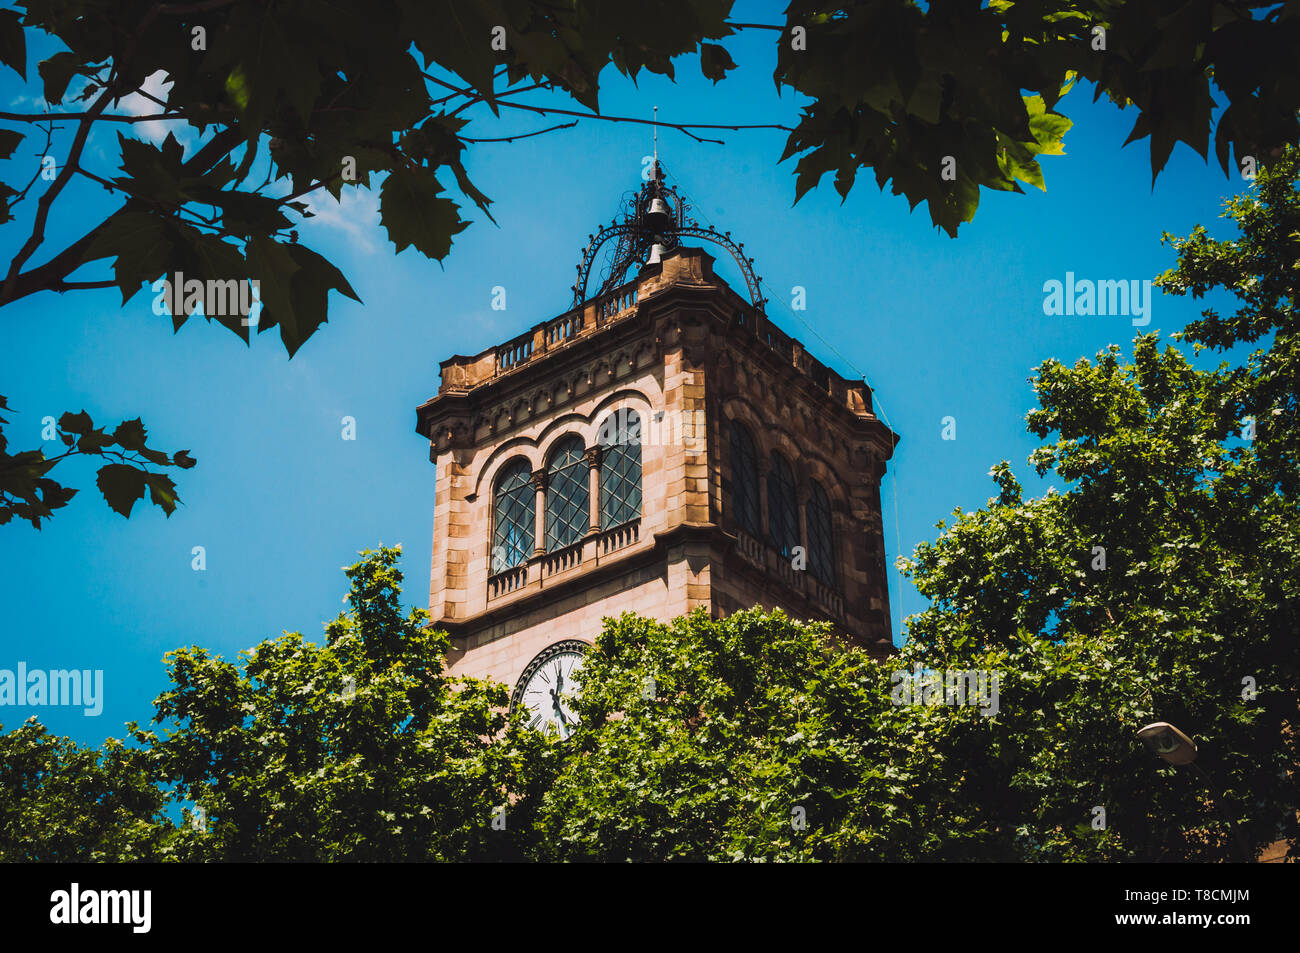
point(456, 90)
point(111, 117)
point(563, 125)
point(49, 143)
point(47, 199)
point(52, 274)
point(505, 92)
point(63, 286)
point(679, 126)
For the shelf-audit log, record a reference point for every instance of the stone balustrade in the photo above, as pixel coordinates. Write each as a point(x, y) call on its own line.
point(538, 570)
point(762, 556)
point(462, 374)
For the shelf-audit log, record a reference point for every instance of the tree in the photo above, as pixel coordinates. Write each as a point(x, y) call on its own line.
point(61, 802)
point(361, 749)
point(757, 738)
point(1159, 584)
point(27, 492)
point(915, 93)
point(321, 96)
point(717, 740)
point(1259, 269)
point(1173, 554)
point(287, 99)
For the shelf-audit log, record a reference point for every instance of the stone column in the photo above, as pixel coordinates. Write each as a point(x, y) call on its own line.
point(539, 529)
point(593, 462)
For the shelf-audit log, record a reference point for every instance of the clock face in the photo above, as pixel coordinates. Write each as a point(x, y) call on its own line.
point(545, 691)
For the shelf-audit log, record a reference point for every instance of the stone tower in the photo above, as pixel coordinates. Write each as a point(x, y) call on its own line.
point(660, 446)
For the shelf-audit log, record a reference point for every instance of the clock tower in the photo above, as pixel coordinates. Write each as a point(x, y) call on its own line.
point(660, 446)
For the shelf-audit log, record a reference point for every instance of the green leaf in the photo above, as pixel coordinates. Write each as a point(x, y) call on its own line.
point(57, 72)
point(414, 214)
point(243, 213)
point(238, 88)
point(121, 485)
point(9, 140)
point(211, 259)
point(130, 434)
point(93, 441)
point(78, 423)
point(455, 35)
point(310, 286)
point(6, 192)
point(277, 67)
point(1048, 128)
point(271, 265)
point(715, 61)
point(162, 492)
point(143, 246)
point(152, 172)
point(13, 44)
point(437, 143)
point(1018, 162)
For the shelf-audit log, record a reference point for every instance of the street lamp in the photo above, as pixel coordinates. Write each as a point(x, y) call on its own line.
point(1167, 742)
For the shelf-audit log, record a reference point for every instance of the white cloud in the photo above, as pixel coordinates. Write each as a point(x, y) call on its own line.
point(155, 84)
point(356, 214)
point(34, 103)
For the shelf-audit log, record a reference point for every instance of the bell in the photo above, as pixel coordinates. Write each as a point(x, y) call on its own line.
point(658, 217)
point(656, 254)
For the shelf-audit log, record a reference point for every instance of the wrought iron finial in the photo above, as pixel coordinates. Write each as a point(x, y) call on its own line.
point(655, 220)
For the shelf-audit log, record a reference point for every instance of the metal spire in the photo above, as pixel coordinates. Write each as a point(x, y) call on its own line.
point(656, 218)
point(656, 125)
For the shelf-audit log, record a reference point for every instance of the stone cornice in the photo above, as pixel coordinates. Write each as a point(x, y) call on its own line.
point(680, 303)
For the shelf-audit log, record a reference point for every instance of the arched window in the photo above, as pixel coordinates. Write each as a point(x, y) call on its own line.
point(620, 469)
point(782, 513)
point(744, 479)
point(821, 539)
point(514, 517)
point(568, 494)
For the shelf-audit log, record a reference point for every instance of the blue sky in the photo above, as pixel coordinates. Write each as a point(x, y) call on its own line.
point(280, 502)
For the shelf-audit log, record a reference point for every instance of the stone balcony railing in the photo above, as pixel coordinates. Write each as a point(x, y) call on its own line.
point(462, 374)
point(504, 583)
point(465, 373)
point(826, 598)
point(549, 335)
point(766, 558)
point(538, 571)
point(619, 537)
point(562, 560)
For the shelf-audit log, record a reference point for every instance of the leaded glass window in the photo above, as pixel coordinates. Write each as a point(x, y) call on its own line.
point(782, 513)
point(744, 479)
point(620, 471)
point(568, 494)
point(821, 540)
point(514, 517)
